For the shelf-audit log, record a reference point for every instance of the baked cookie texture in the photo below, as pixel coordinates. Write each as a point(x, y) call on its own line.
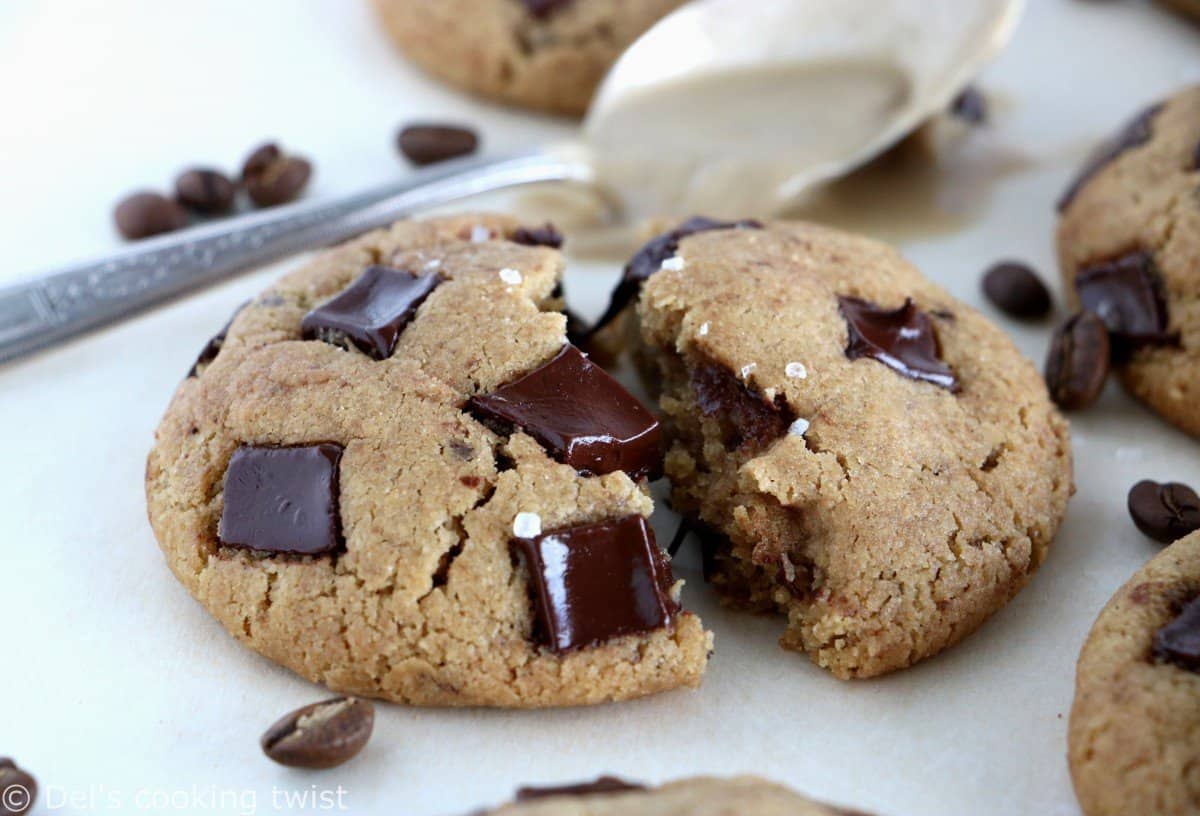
point(1134, 738)
point(426, 604)
point(544, 54)
point(1136, 206)
point(886, 516)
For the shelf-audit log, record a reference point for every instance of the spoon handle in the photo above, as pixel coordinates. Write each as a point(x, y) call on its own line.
point(54, 307)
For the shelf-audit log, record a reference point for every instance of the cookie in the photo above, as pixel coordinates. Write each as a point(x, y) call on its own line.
point(544, 54)
point(1189, 7)
point(856, 449)
point(1129, 249)
point(699, 796)
point(393, 476)
point(1134, 735)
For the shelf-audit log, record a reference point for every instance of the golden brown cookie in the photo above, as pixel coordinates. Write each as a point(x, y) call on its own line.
point(363, 482)
point(1134, 740)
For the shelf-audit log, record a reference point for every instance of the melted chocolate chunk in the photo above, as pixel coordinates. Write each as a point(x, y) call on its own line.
point(597, 581)
point(1135, 134)
point(747, 419)
point(1179, 641)
point(546, 235)
point(214, 345)
point(580, 414)
point(283, 499)
point(541, 9)
point(1164, 512)
point(649, 258)
point(372, 312)
point(903, 340)
point(605, 784)
point(1126, 292)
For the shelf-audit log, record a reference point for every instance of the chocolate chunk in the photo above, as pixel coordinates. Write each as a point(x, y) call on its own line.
point(147, 213)
point(215, 344)
point(1126, 292)
point(649, 258)
point(605, 784)
point(541, 9)
point(903, 340)
point(1017, 290)
point(546, 235)
point(18, 789)
point(596, 582)
point(371, 312)
point(204, 190)
point(747, 419)
point(1195, 157)
point(1179, 641)
point(429, 143)
point(272, 177)
point(580, 414)
point(1135, 134)
point(1078, 361)
point(321, 735)
point(1164, 512)
point(283, 499)
point(970, 106)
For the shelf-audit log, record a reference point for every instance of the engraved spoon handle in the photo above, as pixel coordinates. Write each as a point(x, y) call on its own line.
point(62, 304)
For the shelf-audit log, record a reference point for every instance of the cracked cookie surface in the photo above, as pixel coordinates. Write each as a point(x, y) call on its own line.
point(885, 515)
point(1138, 204)
point(1134, 737)
point(534, 53)
point(425, 603)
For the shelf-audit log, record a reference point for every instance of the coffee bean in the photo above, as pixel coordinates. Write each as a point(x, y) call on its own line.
point(1017, 290)
point(18, 789)
point(1077, 364)
point(321, 735)
point(205, 191)
point(1164, 512)
point(145, 213)
point(426, 144)
point(272, 177)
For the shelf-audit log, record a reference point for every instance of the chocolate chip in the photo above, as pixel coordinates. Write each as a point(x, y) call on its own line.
point(903, 339)
point(1135, 134)
point(214, 345)
point(546, 235)
point(283, 499)
point(603, 785)
point(650, 257)
point(1195, 157)
point(428, 144)
point(1164, 512)
point(371, 312)
point(541, 9)
point(577, 328)
point(1078, 360)
point(597, 581)
point(1126, 292)
point(147, 213)
point(747, 419)
point(206, 191)
point(580, 414)
point(18, 789)
point(1017, 290)
point(970, 106)
point(1179, 641)
point(321, 735)
point(272, 177)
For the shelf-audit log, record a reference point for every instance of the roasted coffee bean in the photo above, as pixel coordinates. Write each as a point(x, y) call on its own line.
point(18, 789)
point(321, 735)
point(1164, 512)
point(1077, 364)
point(145, 213)
point(1017, 290)
point(206, 191)
point(272, 177)
point(428, 143)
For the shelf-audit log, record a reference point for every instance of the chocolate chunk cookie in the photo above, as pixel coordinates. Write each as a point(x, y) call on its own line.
point(1129, 247)
point(336, 484)
point(1135, 725)
point(543, 54)
point(859, 451)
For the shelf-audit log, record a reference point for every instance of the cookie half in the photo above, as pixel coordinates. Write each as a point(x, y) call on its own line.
point(856, 449)
point(393, 475)
point(1134, 736)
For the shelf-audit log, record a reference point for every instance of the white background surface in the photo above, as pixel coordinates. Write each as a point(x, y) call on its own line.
point(117, 687)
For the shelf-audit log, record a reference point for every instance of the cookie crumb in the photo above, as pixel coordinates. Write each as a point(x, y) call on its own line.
point(796, 371)
point(673, 264)
point(510, 276)
point(527, 525)
point(799, 427)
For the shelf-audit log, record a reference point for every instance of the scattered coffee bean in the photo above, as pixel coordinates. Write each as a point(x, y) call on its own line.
point(1078, 361)
point(145, 213)
point(427, 143)
point(1017, 290)
point(970, 106)
point(206, 191)
point(1164, 512)
point(321, 735)
point(272, 177)
point(18, 789)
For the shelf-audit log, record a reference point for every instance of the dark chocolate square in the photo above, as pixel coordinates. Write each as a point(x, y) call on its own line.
point(371, 312)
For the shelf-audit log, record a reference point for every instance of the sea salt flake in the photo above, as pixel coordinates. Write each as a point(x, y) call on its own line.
point(748, 369)
point(796, 371)
point(799, 427)
point(703, 328)
point(480, 233)
point(527, 525)
point(673, 264)
point(510, 276)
